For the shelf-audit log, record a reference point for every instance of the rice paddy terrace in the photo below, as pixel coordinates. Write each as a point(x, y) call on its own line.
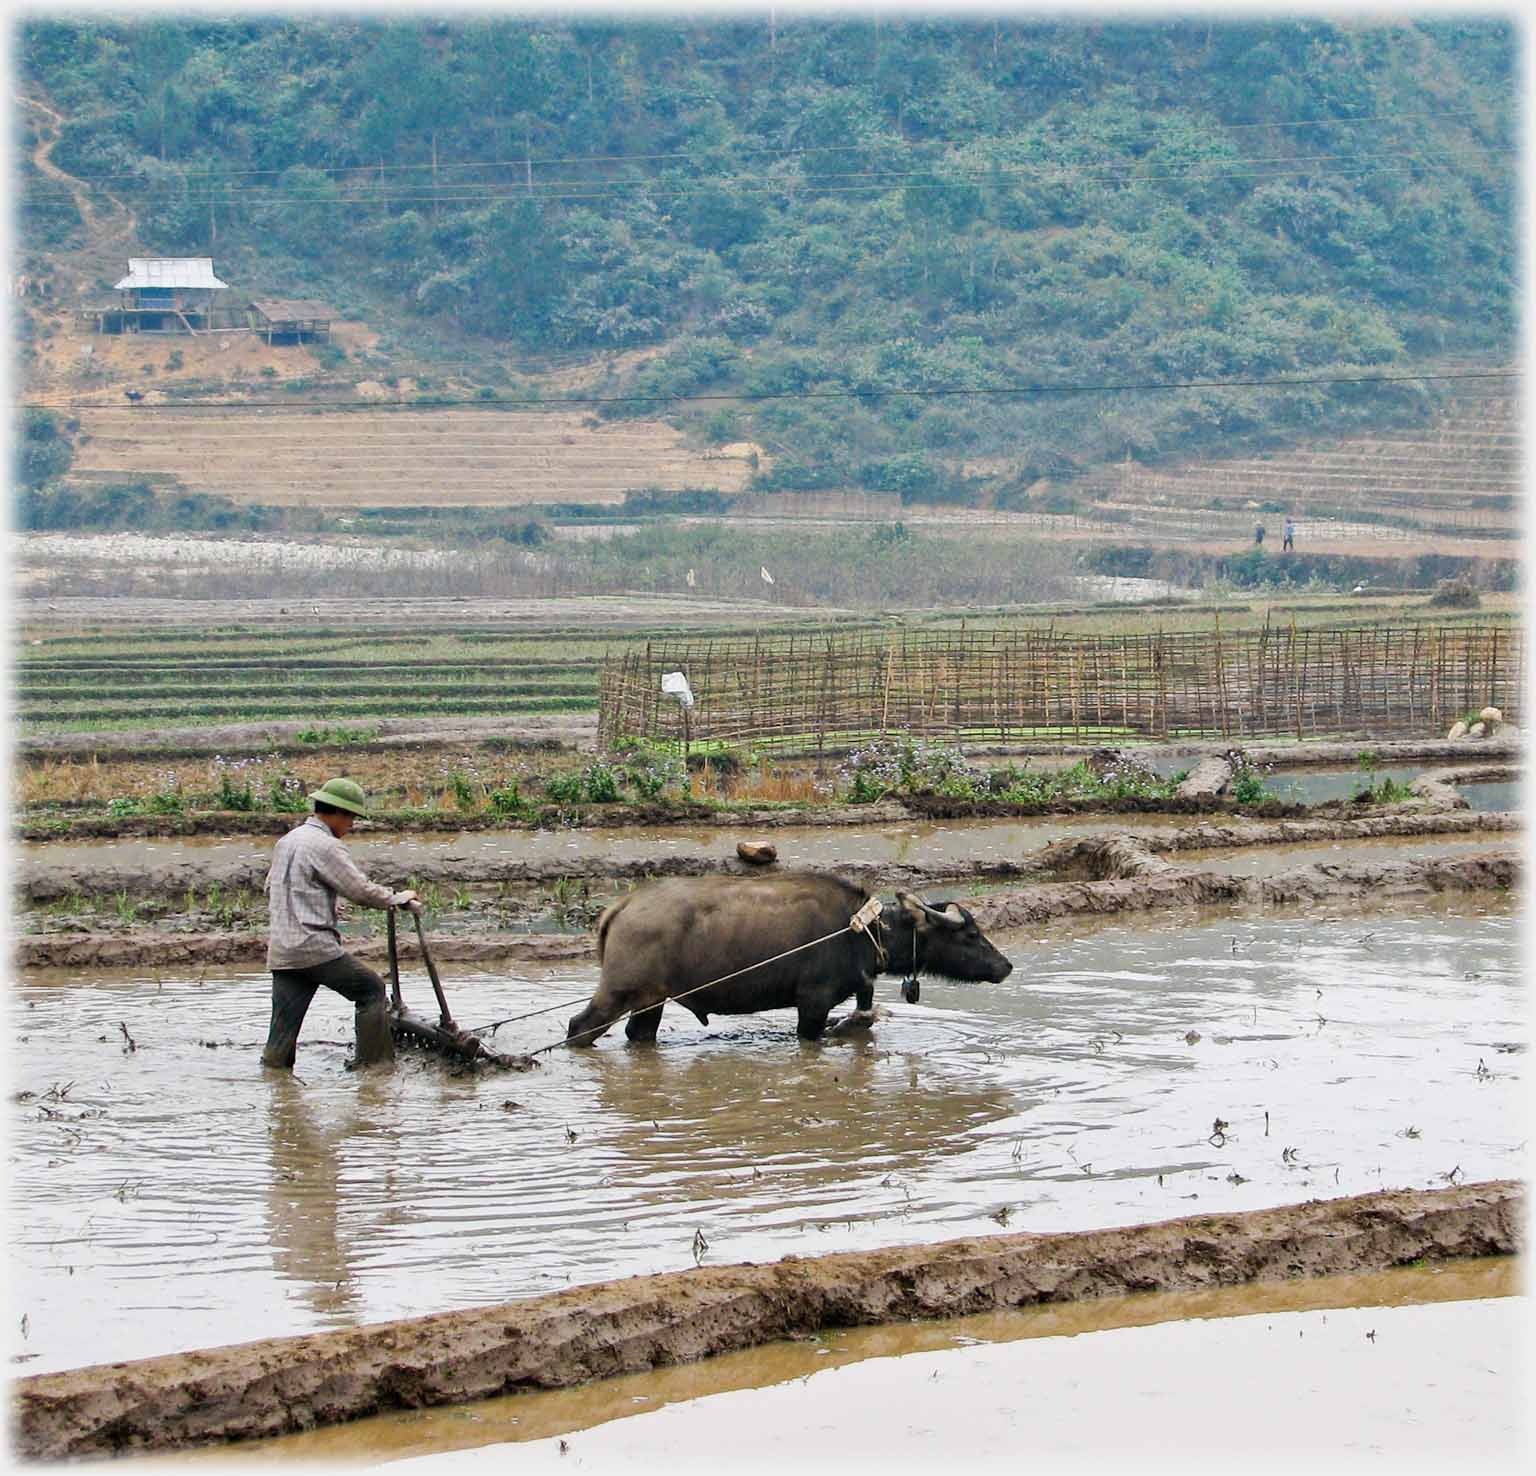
point(397, 457)
point(1459, 476)
point(438, 662)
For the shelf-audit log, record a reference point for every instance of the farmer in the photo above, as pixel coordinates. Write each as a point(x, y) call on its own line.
point(1258, 535)
point(309, 867)
point(1289, 540)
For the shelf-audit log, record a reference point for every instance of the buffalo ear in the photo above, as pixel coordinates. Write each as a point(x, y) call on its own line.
point(954, 914)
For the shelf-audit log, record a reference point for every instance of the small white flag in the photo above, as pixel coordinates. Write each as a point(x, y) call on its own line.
point(767, 577)
point(690, 579)
point(675, 684)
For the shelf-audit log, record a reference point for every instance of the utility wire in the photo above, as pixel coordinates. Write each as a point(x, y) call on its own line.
point(1324, 165)
point(879, 142)
point(747, 397)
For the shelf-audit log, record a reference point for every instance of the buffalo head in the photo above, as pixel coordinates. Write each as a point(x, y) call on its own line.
point(947, 942)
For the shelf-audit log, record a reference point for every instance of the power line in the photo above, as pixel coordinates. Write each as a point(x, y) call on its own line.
point(882, 142)
point(1198, 171)
point(747, 397)
point(922, 180)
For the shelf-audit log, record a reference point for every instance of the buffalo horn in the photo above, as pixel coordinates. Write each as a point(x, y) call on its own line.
point(943, 917)
point(948, 916)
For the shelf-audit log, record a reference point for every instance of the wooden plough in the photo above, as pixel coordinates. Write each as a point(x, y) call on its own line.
point(409, 1028)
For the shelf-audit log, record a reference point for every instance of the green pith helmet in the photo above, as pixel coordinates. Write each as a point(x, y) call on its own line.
point(342, 794)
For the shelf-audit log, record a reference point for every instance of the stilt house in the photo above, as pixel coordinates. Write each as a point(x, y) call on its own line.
point(162, 294)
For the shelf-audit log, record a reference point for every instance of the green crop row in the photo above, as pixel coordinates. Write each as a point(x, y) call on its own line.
point(263, 709)
point(526, 666)
point(301, 685)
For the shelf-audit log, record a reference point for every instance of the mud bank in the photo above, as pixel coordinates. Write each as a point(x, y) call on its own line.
point(1118, 874)
point(1151, 883)
point(282, 1385)
point(550, 817)
point(39, 884)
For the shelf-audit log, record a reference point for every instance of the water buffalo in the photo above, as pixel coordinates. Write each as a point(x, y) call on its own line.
point(669, 937)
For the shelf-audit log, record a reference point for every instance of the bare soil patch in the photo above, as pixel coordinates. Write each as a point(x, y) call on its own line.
point(281, 1385)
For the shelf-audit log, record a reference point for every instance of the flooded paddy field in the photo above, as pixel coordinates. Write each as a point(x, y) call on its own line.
point(169, 1194)
point(1340, 1350)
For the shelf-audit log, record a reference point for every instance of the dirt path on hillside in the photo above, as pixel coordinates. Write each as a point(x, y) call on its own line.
point(105, 233)
point(280, 1385)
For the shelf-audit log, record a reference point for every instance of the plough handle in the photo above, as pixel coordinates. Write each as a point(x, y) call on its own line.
point(394, 964)
point(437, 984)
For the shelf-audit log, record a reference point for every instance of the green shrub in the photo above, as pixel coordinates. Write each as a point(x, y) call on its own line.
point(166, 802)
point(287, 795)
point(565, 789)
point(235, 795)
point(652, 776)
point(601, 783)
point(508, 800)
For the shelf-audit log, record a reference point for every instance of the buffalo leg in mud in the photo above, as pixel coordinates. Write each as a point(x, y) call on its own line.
point(863, 1015)
point(817, 1000)
point(643, 1024)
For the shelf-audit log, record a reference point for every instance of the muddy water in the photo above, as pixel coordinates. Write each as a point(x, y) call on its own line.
point(1452, 1304)
point(1256, 1393)
point(174, 1195)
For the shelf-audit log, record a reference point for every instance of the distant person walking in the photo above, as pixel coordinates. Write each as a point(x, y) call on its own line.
point(1289, 540)
point(310, 868)
point(1258, 535)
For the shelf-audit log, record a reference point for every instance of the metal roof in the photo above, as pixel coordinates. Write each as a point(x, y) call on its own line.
point(169, 271)
point(292, 309)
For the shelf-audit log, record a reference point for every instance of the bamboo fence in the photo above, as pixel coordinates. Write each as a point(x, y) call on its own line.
point(807, 693)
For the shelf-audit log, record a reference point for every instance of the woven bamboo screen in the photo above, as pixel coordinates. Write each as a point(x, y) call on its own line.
point(803, 693)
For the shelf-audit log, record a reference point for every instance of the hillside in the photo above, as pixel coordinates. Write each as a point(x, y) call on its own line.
point(842, 221)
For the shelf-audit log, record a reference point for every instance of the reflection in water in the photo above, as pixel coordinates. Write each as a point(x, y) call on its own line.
point(780, 1131)
point(304, 1198)
point(177, 1196)
point(540, 1415)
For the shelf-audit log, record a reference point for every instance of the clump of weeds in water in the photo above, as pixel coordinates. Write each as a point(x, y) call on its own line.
point(570, 902)
point(1371, 790)
point(1247, 778)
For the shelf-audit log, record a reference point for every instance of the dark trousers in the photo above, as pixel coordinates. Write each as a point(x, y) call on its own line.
point(292, 990)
